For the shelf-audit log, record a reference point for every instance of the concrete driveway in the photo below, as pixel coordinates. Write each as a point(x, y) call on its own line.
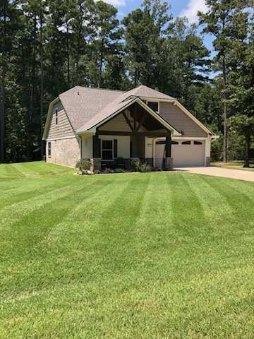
point(221, 172)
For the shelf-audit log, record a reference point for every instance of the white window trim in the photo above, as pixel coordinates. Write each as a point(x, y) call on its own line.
point(113, 155)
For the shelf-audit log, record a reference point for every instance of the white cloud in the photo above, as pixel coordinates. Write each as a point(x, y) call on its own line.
point(192, 9)
point(116, 3)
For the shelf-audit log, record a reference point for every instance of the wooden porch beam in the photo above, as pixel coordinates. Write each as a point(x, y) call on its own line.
point(146, 133)
point(140, 122)
point(128, 121)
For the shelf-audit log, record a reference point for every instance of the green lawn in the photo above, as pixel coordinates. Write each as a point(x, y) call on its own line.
point(124, 255)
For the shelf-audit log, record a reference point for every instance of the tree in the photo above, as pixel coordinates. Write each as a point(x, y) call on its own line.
point(241, 80)
point(12, 115)
point(244, 125)
point(160, 13)
point(184, 62)
point(105, 46)
point(220, 21)
point(142, 48)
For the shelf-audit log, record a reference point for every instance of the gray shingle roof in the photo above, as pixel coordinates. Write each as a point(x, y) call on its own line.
point(86, 107)
point(82, 103)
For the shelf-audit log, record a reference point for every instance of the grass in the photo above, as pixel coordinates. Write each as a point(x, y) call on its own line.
point(124, 255)
point(234, 165)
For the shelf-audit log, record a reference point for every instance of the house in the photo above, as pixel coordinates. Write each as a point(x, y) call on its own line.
point(106, 125)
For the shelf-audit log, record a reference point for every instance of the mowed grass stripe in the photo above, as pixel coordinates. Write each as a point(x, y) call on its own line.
point(212, 201)
point(24, 192)
point(25, 170)
point(27, 233)
point(79, 241)
point(9, 172)
point(14, 212)
point(239, 206)
point(114, 235)
point(188, 214)
point(154, 226)
point(87, 214)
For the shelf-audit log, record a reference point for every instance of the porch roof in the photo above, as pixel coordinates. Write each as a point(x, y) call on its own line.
point(117, 107)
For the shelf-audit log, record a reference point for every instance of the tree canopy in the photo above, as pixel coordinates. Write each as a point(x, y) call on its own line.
point(49, 46)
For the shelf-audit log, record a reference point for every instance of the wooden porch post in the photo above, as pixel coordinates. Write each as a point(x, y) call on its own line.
point(134, 139)
point(168, 153)
point(168, 147)
point(96, 152)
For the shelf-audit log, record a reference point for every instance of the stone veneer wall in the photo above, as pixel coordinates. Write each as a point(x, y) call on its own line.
point(64, 152)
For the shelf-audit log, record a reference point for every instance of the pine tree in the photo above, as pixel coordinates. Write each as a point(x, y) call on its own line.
point(143, 45)
point(105, 46)
point(219, 21)
point(241, 79)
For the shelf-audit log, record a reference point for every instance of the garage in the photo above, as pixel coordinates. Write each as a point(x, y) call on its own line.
point(185, 153)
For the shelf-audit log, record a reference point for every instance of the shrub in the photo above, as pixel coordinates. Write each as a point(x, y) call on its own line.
point(84, 166)
point(119, 170)
point(138, 166)
point(119, 162)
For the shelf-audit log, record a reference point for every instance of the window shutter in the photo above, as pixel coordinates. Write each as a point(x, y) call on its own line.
point(96, 147)
point(115, 148)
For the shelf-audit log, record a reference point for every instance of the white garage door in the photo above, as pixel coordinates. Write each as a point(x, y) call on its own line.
point(185, 153)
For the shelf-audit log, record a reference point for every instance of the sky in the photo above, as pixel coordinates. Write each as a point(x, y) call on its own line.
point(188, 8)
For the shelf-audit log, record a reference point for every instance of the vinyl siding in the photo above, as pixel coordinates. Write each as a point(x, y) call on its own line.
point(63, 127)
point(179, 120)
point(118, 124)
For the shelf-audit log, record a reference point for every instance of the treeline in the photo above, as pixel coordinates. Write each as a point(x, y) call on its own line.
point(49, 46)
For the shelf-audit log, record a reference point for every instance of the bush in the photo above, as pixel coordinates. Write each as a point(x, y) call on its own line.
point(84, 166)
point(119, 162)
point(138, 166)
point(119, 170)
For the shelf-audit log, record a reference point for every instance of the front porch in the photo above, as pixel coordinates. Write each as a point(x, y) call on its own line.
point(130, 135)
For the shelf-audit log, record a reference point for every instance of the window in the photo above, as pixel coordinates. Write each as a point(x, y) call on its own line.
point(49, 149)
point(153, 105)
point(107, 150)
point(186, 142)
point(56, 116)
point(198, 142)
point(163, 142)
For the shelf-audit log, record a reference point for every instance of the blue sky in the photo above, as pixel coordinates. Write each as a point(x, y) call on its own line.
point(177, 6)
point(188, 8)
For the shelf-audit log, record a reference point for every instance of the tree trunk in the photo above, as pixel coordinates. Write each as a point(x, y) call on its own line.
point(2, 125)
point(247, 149)
point(225, 113)
point(2, 91)
point(68, 56)
point(41, 85)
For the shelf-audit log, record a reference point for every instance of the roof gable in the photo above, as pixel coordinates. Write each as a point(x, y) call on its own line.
point(147, 92)
point(116, 108)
